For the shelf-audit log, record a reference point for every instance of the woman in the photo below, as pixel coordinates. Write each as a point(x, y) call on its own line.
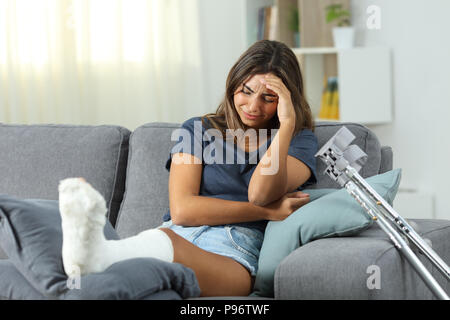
point(218, 211)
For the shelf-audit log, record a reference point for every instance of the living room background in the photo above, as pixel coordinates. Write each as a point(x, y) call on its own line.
point(128, 66)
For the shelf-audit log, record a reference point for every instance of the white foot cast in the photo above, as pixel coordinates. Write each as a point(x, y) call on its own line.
point(85, 248)
point(83, 213)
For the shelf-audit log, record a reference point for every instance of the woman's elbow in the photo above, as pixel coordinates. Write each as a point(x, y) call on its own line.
point(258, 199)
point(177, 215)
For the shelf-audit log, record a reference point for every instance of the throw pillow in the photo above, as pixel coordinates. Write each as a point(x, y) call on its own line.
point(329, 213)
point(13, 285)
point(31, 236)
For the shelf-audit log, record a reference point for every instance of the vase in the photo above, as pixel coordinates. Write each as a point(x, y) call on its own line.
point(297, 39)
point(344, 37)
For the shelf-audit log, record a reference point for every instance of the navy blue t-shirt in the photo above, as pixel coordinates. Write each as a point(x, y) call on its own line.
point(227, 169)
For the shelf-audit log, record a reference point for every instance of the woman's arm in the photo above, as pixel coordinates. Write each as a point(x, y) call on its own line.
point(278, 173)
point(187, 208)
point(267, 185)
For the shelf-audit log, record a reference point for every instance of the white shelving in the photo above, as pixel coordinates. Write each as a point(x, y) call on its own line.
point(364, 82)
point(318, 50)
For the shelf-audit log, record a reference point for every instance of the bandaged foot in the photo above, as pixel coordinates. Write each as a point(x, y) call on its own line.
point(85, 249)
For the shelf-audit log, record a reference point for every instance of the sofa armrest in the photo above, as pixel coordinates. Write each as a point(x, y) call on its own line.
point(386, 159)
point(348, 267)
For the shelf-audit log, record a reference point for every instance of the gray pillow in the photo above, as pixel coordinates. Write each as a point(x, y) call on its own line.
point(31, 236)
point(13, 284)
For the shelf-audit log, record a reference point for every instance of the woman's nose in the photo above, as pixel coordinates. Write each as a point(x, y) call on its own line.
point(253, 106)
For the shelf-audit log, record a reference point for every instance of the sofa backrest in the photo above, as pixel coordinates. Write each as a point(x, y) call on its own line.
point(146, 197)
point(34, 158)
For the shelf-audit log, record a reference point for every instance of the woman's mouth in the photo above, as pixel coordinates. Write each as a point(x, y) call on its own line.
point(248, 116)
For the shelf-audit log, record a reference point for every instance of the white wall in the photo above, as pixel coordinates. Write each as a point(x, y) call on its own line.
point(222, 40)
point(417, 32)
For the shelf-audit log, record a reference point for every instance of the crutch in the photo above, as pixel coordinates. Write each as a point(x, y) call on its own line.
point(343, 163)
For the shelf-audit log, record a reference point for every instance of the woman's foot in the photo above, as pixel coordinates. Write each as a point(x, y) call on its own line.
point(85, 248)
point(83, 214)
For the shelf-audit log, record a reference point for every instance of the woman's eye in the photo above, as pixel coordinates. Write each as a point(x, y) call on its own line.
point(247, 93)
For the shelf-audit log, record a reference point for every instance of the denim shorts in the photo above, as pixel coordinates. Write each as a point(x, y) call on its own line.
point(238, 243)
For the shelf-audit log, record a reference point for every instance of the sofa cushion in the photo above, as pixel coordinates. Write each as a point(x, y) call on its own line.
point(146, 197)
point(30, 232)
point(13, 285)
point(346, 268)
point(35, 158)
point(334, 214)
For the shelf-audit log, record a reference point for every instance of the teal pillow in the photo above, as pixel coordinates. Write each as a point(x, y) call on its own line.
point(330, 213)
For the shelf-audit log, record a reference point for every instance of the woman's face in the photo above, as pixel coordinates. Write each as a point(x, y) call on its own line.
point(255, 104)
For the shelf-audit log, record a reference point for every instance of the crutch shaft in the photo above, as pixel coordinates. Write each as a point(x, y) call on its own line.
point(400, 223)
point(397, 239)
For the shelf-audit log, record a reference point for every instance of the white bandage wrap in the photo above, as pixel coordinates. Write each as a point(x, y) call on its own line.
point(152, 243)
point(85, 249)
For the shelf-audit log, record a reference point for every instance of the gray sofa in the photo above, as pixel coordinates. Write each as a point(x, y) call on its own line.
point(128, 169)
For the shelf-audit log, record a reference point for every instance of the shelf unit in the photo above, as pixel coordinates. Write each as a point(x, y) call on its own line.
point(364, 81)
point(364, 73)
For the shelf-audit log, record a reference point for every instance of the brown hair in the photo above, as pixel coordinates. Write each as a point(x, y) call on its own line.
point(263, 57)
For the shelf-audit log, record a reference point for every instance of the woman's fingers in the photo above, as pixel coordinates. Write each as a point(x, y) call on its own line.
point(274, 86)
point(297, 203)
point(275, 82)
point(297, 194)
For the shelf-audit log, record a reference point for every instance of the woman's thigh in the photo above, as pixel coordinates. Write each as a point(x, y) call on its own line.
point(217, 275)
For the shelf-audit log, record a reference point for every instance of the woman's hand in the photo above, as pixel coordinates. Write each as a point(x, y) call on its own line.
point(286, 205)
point(285, 109)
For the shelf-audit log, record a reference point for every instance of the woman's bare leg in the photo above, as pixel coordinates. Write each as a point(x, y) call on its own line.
point(217, 275)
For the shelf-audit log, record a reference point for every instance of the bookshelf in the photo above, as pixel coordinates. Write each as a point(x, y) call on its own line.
point(364, 81)
point(363, 73)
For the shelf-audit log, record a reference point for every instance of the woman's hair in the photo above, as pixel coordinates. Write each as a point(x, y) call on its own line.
point(263, 57)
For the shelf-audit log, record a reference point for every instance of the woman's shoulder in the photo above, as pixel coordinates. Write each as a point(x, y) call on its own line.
point(305, 135)
point(305, 132)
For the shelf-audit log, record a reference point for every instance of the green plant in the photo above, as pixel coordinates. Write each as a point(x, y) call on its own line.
point(294, 20)
point(335, 12)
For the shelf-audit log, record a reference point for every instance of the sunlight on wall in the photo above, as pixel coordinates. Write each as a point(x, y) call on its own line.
point(135, 28)
point(3, 34)
point(115, 29)
point(29, 36)
point(124, 62)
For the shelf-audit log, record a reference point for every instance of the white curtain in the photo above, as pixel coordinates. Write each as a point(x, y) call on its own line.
point(124, 62)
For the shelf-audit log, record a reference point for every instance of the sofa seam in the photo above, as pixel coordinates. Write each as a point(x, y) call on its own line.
point(116, 174)
point(130, 154)
point(435, 230)
point(363, 171)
